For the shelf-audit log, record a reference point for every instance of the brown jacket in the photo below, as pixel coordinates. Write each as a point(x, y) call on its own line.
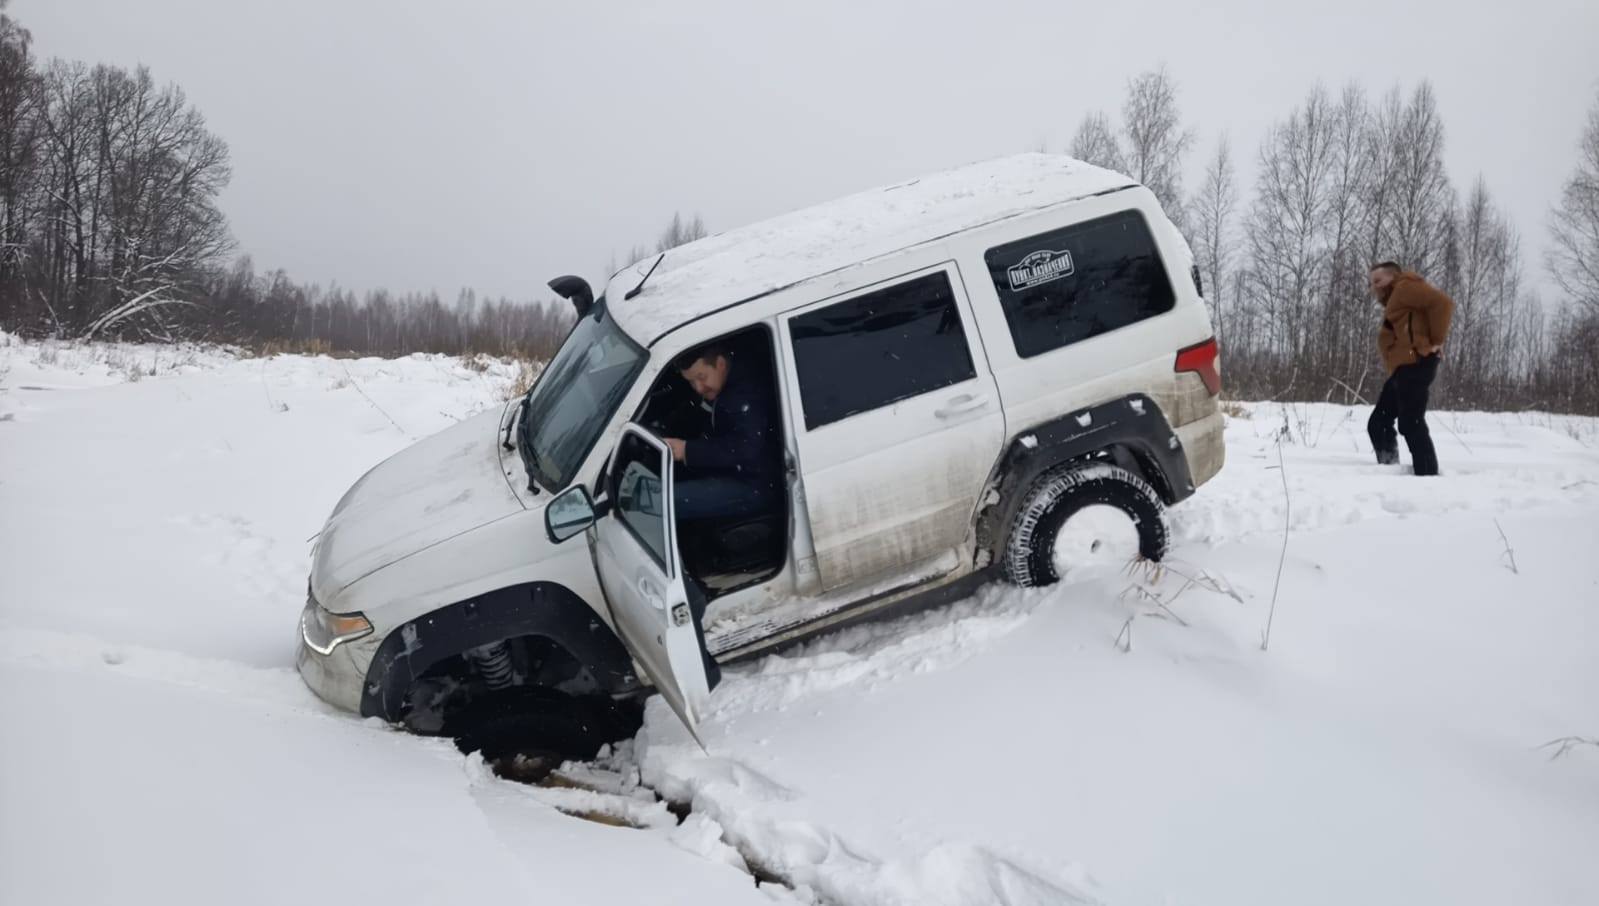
point(1415, 318)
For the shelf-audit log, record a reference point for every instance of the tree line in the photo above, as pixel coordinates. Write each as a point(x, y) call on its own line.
point(109, 227)
point(1344, 181)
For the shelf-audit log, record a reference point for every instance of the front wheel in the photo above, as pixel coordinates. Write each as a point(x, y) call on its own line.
point(535, 721)
point(1080, 516)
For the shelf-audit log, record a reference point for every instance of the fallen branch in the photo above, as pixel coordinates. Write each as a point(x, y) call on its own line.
point(1172, 613)
point(272, 404)
point(372, 402)
point(1203, 580)
point(1469, 451)
point(1265, 639)
point(1352, 391)
point(128, 309)
point(1127, 630)
point(1566, 743)
point(1509, 551)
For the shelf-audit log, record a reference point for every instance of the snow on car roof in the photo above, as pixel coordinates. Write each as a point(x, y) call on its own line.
point(740, 264)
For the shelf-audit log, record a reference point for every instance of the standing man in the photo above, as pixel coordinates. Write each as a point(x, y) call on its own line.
point(1415, 322)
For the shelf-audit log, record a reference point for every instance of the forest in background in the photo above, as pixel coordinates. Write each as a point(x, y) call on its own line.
point(110, 229)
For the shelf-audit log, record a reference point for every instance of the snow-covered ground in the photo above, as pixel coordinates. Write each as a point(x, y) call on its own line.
point(1123, 739)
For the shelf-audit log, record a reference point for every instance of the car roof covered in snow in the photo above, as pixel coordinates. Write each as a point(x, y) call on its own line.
point(751, 261)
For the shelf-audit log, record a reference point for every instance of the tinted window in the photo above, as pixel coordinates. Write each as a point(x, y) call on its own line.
point(636, 488)
point(1071, 284)
point(880, 348)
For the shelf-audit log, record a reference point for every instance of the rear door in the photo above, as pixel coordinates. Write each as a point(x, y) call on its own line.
point(897, 421)
point(635, 554)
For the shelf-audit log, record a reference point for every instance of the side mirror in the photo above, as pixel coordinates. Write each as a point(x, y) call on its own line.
point(569, 514)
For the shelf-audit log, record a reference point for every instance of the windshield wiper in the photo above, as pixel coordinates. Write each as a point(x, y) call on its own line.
point(516, 418)
point(524, 446)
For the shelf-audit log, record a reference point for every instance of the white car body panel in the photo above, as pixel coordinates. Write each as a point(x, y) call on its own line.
point(649, 600)
point(810, 244)
point(869, 514)
point(451, 518)
point(1139, 357)
point(429, 492)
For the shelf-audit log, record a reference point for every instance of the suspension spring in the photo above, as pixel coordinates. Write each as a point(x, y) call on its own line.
point(494, 663)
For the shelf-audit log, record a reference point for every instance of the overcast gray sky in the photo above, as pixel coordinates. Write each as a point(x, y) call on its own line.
point(497, 143)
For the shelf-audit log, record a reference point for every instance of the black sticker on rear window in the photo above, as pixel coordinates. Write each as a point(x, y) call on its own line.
point(1080, 281)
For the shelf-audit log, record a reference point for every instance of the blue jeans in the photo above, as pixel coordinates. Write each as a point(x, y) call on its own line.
point(716, 496)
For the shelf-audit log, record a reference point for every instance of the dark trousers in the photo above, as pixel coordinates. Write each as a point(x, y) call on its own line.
point(1404, 400)
point(717, 496)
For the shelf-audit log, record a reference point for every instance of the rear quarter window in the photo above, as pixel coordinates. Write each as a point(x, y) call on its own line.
point(1077, 282)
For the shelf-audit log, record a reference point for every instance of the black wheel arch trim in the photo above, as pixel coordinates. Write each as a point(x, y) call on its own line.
point(544, 609)
point(1131, 431)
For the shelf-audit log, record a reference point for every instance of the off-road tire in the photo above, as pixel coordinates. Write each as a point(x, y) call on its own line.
point(1056, 495)
point(539, 721)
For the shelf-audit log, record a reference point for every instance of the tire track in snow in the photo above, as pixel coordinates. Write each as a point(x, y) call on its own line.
point(738, 805)
point(734, 814)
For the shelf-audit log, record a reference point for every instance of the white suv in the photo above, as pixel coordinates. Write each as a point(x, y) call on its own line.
point(958, 366)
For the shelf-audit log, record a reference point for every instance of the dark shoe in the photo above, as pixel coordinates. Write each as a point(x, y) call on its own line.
point(1387, 457)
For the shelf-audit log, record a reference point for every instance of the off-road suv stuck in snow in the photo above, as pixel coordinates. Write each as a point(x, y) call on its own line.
point(982, 374)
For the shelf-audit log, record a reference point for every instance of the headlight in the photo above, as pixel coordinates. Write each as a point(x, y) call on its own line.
point(324, 630)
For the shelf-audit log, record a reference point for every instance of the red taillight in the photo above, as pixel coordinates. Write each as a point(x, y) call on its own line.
point(1201, 360)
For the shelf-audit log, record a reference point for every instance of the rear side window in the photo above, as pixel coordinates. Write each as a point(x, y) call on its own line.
point(1070, 284)
point(880, 348)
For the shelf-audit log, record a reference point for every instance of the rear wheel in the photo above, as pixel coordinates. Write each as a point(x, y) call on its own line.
point(1078, 517)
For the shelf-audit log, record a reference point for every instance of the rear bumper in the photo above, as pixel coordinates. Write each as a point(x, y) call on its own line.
point(1205, 446)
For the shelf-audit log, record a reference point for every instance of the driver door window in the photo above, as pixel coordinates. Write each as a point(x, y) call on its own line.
point(637, 487)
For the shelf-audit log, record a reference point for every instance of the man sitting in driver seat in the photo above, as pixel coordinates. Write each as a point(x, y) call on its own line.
point(736, 468)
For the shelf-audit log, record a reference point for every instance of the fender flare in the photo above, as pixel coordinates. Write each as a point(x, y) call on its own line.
point(545, 609)
point(1130, 431)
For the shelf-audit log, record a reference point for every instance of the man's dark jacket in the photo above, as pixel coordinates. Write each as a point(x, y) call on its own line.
point(744, 440)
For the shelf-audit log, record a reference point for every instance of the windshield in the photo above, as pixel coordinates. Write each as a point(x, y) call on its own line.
point(575, 396)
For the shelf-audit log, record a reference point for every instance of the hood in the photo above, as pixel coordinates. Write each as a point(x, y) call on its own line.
point(431, 491)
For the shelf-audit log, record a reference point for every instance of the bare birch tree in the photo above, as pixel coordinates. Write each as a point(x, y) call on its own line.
point(1213, 212)
point(1345, 314)
point(1154, 141)
point(1410, 195)
point(129, 197)
point(1573, 261)
point(1284, 232)
point(19, 128)
point(1487, 289)
point(680, 232)
point(1095, 143)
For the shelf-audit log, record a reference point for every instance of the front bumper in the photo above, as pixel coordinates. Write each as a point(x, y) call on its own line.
point(336, 678)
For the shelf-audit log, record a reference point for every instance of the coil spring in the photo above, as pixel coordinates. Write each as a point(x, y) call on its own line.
point(494, 663)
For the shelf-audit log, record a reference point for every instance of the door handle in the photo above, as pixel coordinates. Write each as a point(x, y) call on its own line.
point(960, 405)
point(651, 593)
